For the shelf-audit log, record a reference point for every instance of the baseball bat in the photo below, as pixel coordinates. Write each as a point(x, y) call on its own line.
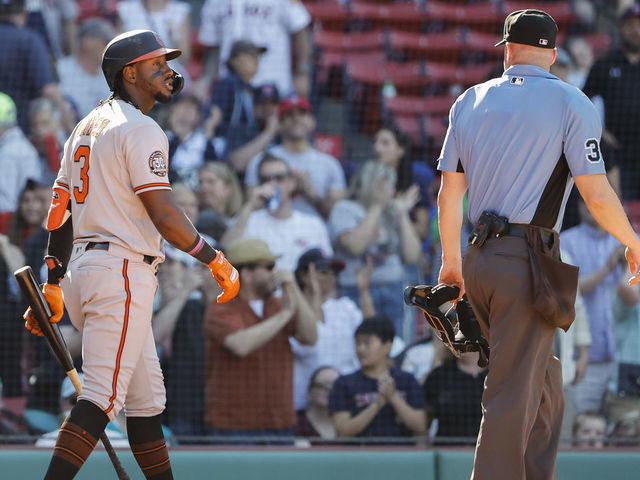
point(42, 313)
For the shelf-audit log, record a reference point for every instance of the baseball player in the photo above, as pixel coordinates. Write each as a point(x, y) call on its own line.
point(111, 211)
point(517, 143)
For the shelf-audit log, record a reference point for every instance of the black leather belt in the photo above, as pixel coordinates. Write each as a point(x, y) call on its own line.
point(516, 230)
point(148, 259)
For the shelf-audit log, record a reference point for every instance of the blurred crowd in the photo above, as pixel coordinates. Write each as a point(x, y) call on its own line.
point(319, 346)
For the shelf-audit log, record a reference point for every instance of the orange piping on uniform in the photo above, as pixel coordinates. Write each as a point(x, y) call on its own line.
point(149, 185)
point(123, 337)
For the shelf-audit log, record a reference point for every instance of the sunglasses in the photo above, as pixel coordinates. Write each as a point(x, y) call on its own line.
point(278, 177)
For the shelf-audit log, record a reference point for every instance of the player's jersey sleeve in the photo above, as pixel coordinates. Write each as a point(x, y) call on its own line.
point(582, 137)
point(62, 180)
point(294, 15)
point(449, 159)
point(146, 158)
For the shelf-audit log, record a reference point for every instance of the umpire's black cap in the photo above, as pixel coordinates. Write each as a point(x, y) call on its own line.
point(530, 27)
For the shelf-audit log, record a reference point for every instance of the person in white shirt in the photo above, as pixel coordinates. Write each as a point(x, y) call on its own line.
point(81, 79)
point(18, 158)
point(338, 318)
point(170, 19)
point(269, 216)
point(320, 179)
point(278, 25)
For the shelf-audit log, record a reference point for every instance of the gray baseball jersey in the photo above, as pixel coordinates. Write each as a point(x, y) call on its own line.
point(113, 154)
point(536, 170)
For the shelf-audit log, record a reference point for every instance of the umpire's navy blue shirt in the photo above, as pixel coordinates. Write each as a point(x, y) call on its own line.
point(520, 139)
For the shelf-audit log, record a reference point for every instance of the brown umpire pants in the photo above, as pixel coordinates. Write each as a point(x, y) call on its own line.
point(523, 399)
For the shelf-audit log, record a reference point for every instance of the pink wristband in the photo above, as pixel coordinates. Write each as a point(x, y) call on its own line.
point(194, 251)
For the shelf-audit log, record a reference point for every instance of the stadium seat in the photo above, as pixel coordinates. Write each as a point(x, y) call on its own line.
point(444, 46)
point(465, 75)
point(328, 14)
point(482, 42)
point(329, 143)
point(486, 15)
point(333, 49)
point(406, 105)
point(402, 75)
point(407, 16)
point(424, 131)
point(339, 41)
point(560, 11)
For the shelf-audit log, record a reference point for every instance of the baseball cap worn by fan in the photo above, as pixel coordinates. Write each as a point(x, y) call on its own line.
point(247, 251)
point(631, 11)
point(530, 27)
point(245, 46)
point(267, 92)
point(291, 103)
point(8, 113)
point(320, 260)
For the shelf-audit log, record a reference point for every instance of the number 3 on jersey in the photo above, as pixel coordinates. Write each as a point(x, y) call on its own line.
point(82, 155)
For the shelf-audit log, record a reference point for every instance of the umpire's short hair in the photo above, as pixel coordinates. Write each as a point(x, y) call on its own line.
point(380, 326)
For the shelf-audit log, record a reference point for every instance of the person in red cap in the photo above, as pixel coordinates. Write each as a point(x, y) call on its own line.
point(320, 177)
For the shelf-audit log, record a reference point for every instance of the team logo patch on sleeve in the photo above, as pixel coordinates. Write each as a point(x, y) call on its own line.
point(158, 164)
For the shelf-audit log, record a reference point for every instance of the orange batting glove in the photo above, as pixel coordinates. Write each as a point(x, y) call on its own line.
point(53, 296)
point(227, 277)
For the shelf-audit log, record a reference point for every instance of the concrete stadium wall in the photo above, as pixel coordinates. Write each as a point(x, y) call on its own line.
point(318, 465)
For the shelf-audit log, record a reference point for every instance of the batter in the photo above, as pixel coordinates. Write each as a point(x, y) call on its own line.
point(111, 211)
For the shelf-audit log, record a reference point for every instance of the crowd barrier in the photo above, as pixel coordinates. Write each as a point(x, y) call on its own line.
point(370, 464)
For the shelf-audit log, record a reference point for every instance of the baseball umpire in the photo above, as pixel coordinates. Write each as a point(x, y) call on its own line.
point(517, 143)
point(111, 211)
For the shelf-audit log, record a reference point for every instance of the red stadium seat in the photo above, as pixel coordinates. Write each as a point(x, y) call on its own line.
point(423, 130)
point(444, 46)
point(465, 75)
point(329, 14)
point(337, 59)
point(339, 41)
point(411, 105)
point(486, 15)
point(329, 143)
point(404, 15)
point(483, 42)
point(335, 48)
point(560, 11)
point(409, 74)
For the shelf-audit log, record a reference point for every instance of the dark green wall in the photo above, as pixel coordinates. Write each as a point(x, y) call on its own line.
point(319, 465)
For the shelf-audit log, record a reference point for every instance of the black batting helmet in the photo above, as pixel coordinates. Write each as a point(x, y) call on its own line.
point(131, 47)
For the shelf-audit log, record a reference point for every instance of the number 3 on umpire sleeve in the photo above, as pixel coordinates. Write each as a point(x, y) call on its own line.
point(593, 150)
point(82, 155)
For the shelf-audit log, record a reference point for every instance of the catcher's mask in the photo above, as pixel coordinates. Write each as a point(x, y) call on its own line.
point(135, 46)
point(457, 327)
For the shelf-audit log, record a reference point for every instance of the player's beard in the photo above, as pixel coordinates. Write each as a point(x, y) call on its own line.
point(162, 97)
